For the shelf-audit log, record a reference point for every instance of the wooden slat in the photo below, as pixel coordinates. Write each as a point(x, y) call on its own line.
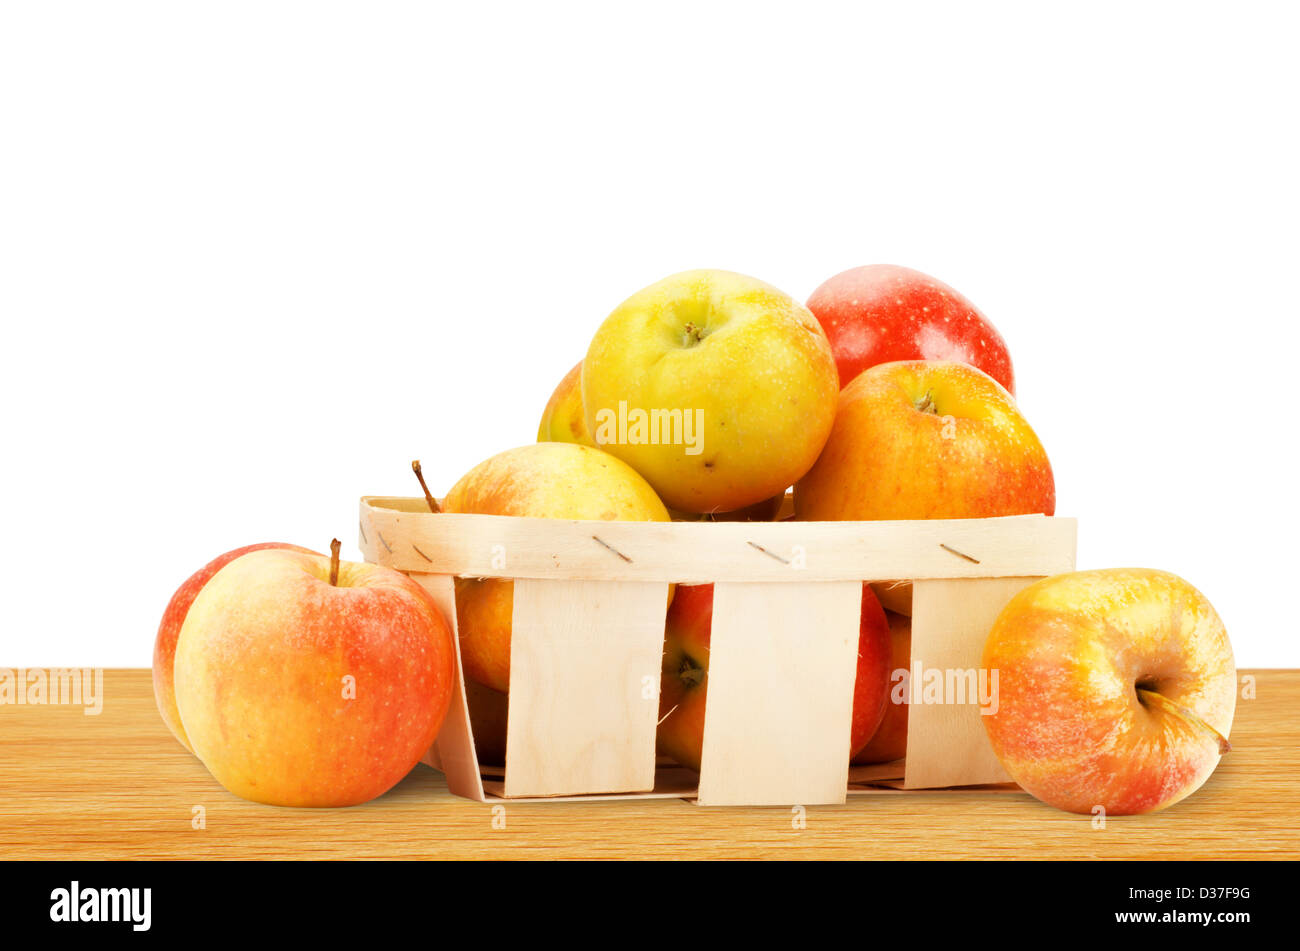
point(584, 686)
point(453, 751)
point(403, 534)
point(671, 782)
point(951, 619)
point(782, 662)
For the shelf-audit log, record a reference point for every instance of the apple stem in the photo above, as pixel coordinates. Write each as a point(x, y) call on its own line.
point(1177, 709)
point(428, 496)
point(335, 546)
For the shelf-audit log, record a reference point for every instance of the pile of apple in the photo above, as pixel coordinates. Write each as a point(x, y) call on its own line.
point(300, 680)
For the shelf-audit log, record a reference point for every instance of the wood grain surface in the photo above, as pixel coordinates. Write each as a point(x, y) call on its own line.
point(118, 785)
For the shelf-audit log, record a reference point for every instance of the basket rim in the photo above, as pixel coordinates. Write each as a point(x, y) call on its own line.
point(399, 531)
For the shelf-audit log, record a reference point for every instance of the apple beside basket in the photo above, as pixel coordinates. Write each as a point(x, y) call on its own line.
point(588, 637)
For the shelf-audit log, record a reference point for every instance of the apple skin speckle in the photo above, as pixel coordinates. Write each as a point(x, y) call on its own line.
point(881, 313)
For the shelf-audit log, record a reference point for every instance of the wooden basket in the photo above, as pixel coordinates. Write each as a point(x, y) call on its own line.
point(588, 633)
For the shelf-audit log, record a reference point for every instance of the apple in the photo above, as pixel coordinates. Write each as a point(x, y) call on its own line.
point(764, 511)
point(1116, 688)
point(544, 480)
point(716, 387)
point(684, 678)
point(488, 716)
point(881, 313)
point(924, 439)
point(889, 742)
point(164, 647)
point(305, 681)
point(563, 419)
point(894, 596)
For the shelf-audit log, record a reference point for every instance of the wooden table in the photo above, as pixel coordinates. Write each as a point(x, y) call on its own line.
point(118, 785)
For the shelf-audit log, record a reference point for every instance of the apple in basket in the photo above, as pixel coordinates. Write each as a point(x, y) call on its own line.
point(889, 742)
point(924, 439)
point(684, 678)
point(764, 511)
point(544, 480)
point(488, 717)
point(1116, 689)
point(881, 313)
point(302, 680)
point(719, 389)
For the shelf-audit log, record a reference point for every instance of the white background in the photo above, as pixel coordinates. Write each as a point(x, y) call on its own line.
point(255, 257)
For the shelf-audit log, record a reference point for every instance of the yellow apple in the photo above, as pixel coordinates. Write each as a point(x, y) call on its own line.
point(563, 419)
point(544, 480)
point(716, 387)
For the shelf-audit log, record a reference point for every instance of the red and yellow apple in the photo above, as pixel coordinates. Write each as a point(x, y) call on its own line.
point(563, 419)
point(1116, 688)
point(716, 387)
point(305, 683)
point(684, 679)
point(164, 647)
point(544, 480)
point(889, 742)
point(918, 439)
point(881, 313)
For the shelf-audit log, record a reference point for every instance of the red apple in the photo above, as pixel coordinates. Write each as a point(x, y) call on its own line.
point(919, 439)
point(889, 742)
point(1116, 688)
point(684, 681)
point(882, 312)
point(305, 681)
point(164, 647)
